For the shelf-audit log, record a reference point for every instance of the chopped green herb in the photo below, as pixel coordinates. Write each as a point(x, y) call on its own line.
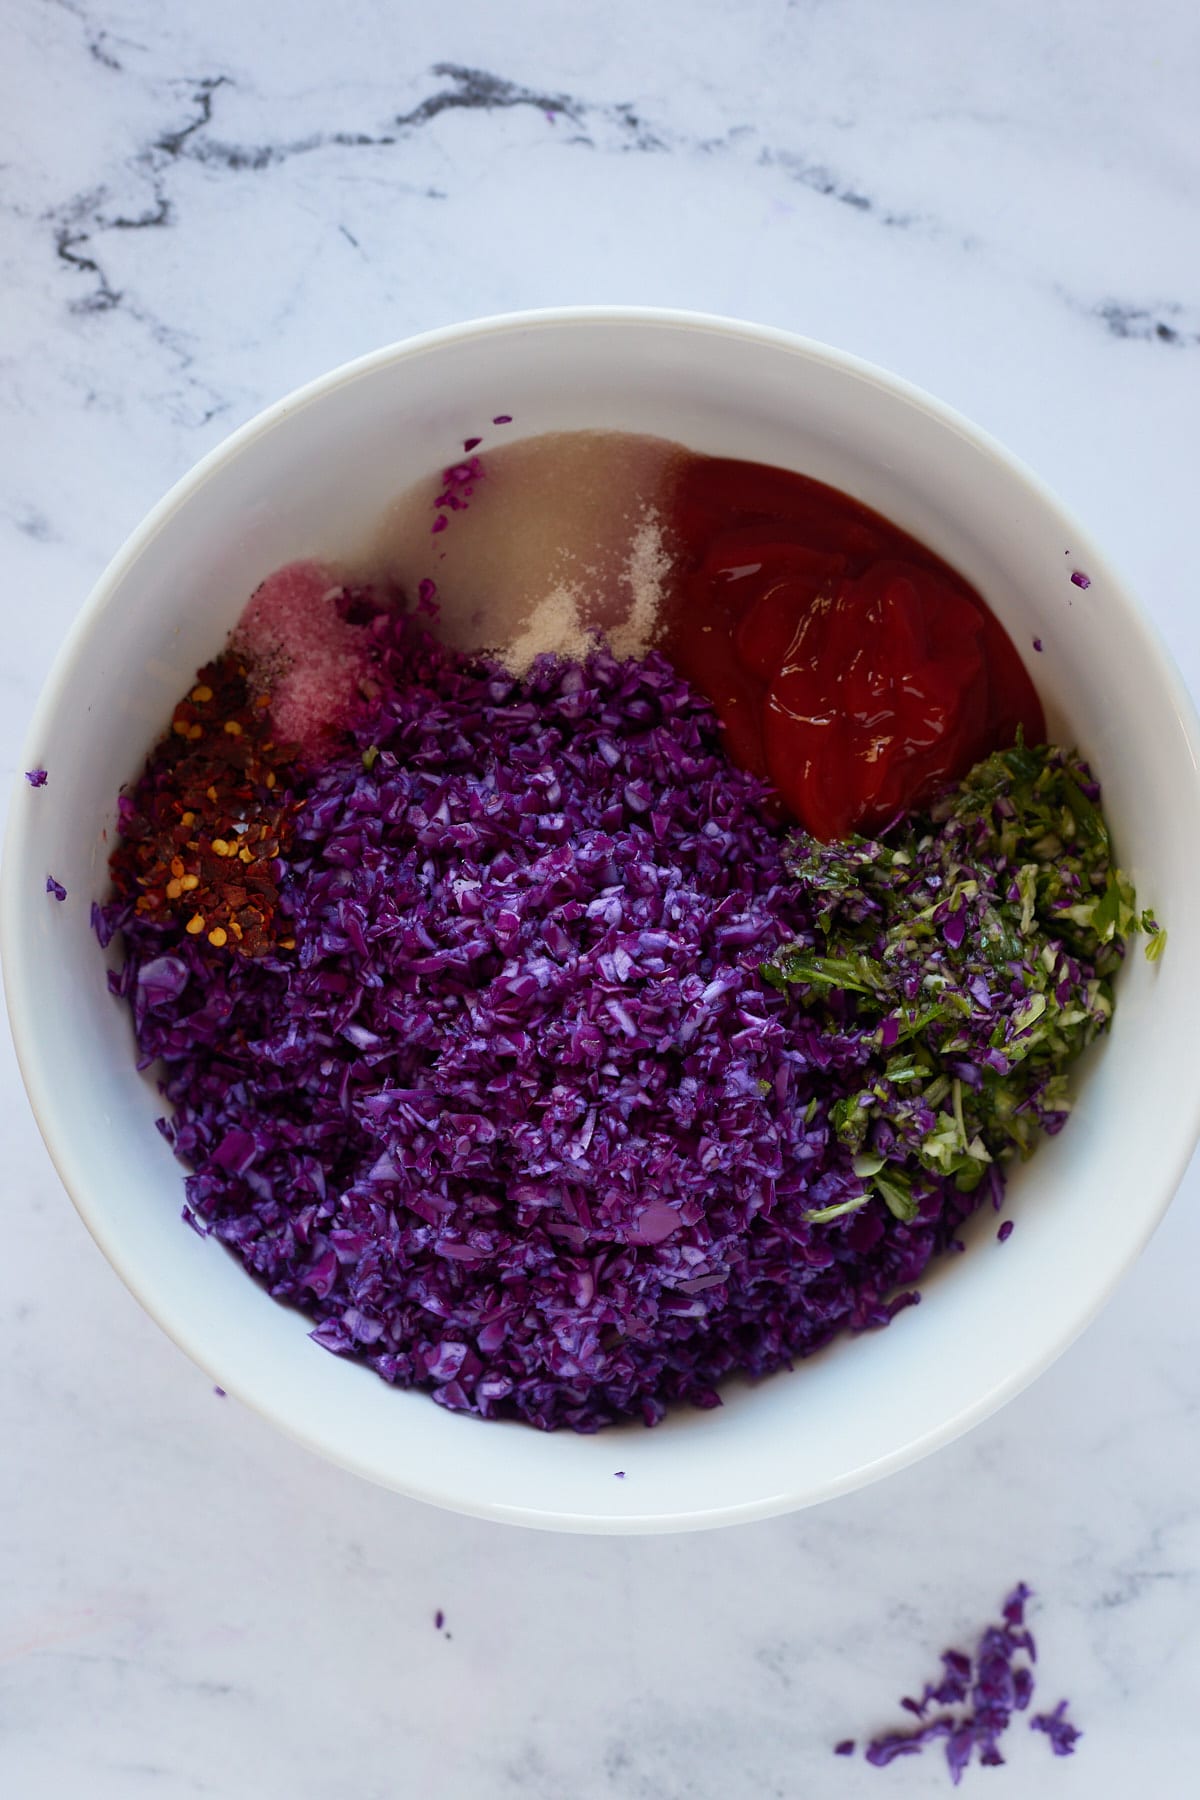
point(970, 956)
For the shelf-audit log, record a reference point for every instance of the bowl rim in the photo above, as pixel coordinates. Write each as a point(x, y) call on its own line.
point(32, 1045)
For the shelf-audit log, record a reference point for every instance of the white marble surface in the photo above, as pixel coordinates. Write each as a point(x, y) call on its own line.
point(204, 205)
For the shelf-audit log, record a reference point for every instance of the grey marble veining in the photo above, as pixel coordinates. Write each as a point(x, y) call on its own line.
point(201, 207)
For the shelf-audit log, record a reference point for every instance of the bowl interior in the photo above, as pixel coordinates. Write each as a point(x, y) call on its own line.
point(312, 478)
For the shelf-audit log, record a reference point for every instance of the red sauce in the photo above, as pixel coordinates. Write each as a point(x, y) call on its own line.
point(848, 664)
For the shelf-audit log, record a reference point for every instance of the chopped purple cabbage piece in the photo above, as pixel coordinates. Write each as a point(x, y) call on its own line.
point(56, 888)
point(885, 1749)
point(36, 778)
point(949, 1690)
point(1058, 1728)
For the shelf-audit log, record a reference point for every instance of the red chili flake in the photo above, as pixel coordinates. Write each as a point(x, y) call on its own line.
point(201, 834)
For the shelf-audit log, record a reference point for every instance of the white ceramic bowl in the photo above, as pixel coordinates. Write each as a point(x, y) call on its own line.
point(310, 478)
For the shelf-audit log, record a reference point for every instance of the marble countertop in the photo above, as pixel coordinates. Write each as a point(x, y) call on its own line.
point(203, 206)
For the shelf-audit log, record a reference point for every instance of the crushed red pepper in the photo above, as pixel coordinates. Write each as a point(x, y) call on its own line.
point(203, 843)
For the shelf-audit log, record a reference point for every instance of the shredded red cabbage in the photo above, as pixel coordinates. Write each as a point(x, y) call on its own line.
point(979, 1696)
point(36, 778)
point(1058, 1728)
point(56, 888)
point(520, 1121)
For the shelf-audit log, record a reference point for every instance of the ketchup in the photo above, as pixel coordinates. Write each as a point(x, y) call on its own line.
point(847, 663)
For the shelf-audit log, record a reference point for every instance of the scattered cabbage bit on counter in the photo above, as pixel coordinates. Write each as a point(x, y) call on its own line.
point(986, 1689)
point(1058, 1728)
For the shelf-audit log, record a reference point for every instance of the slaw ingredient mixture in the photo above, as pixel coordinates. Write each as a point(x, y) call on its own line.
point(561, 1080)
point(511, 1028)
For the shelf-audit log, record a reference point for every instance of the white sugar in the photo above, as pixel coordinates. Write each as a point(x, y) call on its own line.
point(645, 573)
point(575, 615)
point(561, 545)
point(554, 627)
